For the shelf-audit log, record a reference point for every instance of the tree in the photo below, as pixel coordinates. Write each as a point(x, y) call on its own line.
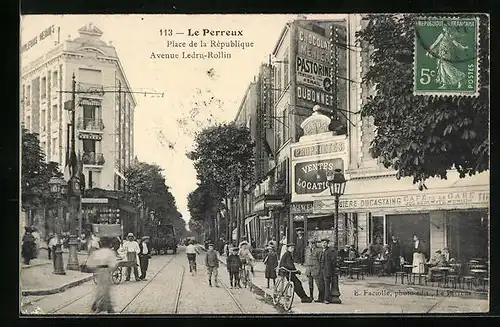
point(202, 205)
point(35, 172)
point(223, 158)
point(422, 136)
point(146, 185)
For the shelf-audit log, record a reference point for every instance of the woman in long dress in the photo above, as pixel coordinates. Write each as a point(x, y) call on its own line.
point(418, 256)
point(103, 261)
point(446, 57)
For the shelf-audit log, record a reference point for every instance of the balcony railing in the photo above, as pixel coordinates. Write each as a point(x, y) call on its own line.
point(90, 124)
point(93, 158)
point(91, 89)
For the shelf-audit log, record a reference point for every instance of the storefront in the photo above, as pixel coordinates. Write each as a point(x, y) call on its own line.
point(450, 213)
point(318, 153)
point(269, 220)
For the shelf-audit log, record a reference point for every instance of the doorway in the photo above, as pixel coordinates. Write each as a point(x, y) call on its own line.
point(404, 226)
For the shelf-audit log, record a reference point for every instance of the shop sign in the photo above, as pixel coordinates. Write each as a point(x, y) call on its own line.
point(308, 97)
point(84, 136)
point(416, 201)
point(313, 74)
point(40, 37)
point(301, 207)
point(310, 177)
point(313, 46)
point(314, 150)
point(95, 200)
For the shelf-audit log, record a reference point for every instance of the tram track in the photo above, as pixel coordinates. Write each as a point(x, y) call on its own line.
point(56, 310)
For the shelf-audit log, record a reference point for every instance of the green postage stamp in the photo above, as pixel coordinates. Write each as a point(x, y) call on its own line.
point(446, 56)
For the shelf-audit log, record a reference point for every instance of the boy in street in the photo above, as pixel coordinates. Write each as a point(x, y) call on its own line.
point(212, 264)
point(233, 267)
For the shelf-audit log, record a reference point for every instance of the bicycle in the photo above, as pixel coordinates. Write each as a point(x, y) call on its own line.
point(245, 278)
point(284, 289)
point(192, 265)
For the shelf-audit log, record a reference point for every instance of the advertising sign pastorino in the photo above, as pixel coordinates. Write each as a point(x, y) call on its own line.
point(310, 177)
point(313, 69)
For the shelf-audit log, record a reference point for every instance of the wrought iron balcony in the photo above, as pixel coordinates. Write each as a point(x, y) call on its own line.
point(87, 89)
point(93, 158)
point(90, 124)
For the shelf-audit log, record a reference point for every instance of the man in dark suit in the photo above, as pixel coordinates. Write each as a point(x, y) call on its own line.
point(300, 246)
point(144, 255)
point(328, 273)
point(287, 263)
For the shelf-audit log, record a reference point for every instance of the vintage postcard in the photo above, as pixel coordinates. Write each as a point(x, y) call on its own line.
point(254, 164)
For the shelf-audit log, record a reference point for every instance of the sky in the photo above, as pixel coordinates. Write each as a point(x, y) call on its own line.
point(159, 137)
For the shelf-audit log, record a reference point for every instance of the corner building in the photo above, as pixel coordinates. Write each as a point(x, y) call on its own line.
point(104, 107)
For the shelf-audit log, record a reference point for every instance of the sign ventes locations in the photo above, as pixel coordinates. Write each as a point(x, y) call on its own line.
point(310, 177)
point(314, 71)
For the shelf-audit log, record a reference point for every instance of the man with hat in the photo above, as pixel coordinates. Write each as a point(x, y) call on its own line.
point(328, 273)
point(144, 256)
point(131, 248)
point(212, 264)
point(287, 263)
point(312, 269)
point(300, 245)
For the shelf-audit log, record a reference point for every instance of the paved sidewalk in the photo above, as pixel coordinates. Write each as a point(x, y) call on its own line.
point(38, 277)
point(380, 295)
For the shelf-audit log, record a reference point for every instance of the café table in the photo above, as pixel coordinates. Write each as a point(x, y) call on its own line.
point(350, 263)
point(445, 271)
point(408, 270)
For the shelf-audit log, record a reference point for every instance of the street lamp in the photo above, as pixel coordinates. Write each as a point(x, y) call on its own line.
point(336, 183)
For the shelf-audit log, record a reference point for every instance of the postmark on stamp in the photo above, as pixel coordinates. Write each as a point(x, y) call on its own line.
point(446, 56)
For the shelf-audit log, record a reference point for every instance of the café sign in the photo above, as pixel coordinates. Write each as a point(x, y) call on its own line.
point(301, 207)
point(310, 177)
point(417, 201)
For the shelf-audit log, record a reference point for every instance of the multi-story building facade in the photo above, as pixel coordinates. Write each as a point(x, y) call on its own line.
point(308, 58)
point(104, 107)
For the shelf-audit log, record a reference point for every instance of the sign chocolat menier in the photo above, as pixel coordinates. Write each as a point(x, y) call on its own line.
point(310, 177)
point(313, 70)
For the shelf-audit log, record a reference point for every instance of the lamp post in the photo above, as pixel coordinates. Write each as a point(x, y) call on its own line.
point(336, 183)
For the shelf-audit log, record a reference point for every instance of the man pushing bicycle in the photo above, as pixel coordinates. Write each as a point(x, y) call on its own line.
point(287, 263)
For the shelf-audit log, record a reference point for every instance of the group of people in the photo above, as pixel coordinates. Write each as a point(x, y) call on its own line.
point(321, 265)
point(104, 259)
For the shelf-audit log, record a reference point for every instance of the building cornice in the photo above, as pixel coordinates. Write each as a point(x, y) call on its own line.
point(282, 37)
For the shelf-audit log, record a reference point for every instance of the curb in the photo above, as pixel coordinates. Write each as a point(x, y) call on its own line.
point(58, 289)
point(35, 265)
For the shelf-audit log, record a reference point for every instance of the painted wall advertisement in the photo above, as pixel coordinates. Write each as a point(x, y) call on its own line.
point(313, 69)
point(310, 177)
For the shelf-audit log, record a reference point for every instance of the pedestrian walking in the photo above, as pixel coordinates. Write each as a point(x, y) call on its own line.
point(300, 246)
point(271, 262)
point(328, 266)
point(103, 262)
point(29, 246)
point(212, 264)
point(287, 263)
point(144, 256)
point(312, 264)
point(38, 241)
point(131, 248)
point(93, 243)
point(234, 265)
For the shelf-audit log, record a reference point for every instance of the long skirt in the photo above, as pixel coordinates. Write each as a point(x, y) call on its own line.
point(418, 263)
point(102, 301)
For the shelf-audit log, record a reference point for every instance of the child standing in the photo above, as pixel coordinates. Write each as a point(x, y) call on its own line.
point(212, 264)
point(271, 262)
point(233, 268)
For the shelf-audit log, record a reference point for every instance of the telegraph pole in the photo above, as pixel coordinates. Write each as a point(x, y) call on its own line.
point(73, 188)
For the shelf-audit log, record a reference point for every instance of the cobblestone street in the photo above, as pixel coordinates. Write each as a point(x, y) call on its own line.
point(171, 289)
